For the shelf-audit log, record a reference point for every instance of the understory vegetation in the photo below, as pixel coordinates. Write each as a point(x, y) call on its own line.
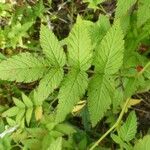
point(74, 74)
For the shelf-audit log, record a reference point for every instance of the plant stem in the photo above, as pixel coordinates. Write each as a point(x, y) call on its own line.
point(102, 9)
point(146, 66)
point(114, 126)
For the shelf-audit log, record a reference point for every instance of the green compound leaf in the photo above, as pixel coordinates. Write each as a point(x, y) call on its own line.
point(28, 116)
point(70, 93)
point(18, 103)
point(79, 46)
point(56, 145)
point(128, 130)
point(109, 53)
point(23, 67)
point(48, 84)
point(143, 144)
point(100, 93)
point(13, 111)
point(51, 47)
point(143, 12)
point(20, 115)
point(93, 3)
point(123, 7)
point(108, 60)
point(99, 29)
point(27, 101)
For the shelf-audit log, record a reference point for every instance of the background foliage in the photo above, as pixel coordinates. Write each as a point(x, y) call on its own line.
point(69, 68)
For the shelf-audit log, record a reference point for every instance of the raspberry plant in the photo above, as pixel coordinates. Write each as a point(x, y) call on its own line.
point(93, 72)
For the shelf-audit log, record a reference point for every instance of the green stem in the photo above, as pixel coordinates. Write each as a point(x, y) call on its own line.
point(146, 66)
point(114, 126)
point(102, 9)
